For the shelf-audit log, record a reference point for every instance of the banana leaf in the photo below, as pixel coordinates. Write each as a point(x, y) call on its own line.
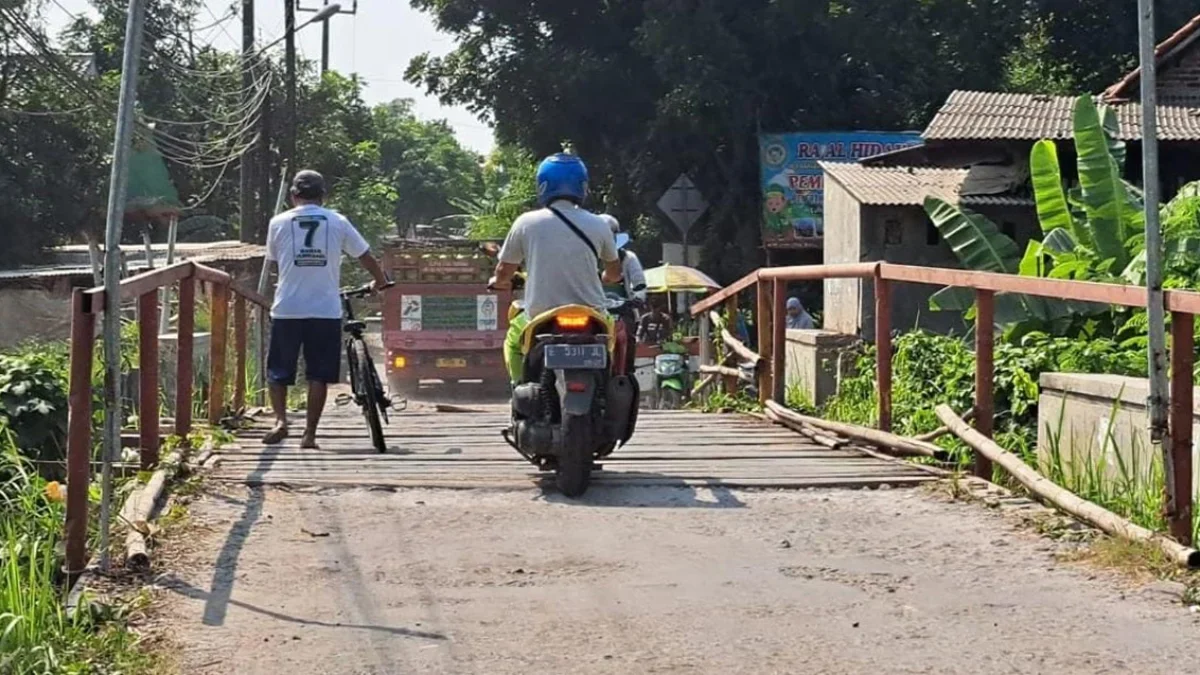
point(976, 241)
point(1052, 208)
point(1058, 242)
point(980, 245)
point(1112, 130)
point(1105, 198)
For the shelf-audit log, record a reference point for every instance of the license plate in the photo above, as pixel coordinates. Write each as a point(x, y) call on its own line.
point(451, 363)
point(576, 357)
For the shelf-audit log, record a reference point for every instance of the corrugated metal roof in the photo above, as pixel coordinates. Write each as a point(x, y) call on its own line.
point(73, 260)
point(909, 186)
point(977, 115)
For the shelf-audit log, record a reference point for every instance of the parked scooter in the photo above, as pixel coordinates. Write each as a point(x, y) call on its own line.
point(670, 380)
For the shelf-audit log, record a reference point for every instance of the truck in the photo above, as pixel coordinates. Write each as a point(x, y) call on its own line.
point(439, 321)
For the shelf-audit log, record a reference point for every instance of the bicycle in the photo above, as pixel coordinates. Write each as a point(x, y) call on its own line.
point(365, 386)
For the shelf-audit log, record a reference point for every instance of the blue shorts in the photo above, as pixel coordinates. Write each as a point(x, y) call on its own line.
point(321, 340)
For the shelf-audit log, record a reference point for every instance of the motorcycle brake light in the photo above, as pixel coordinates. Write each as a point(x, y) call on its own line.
point(572, 321)
point(577, 387)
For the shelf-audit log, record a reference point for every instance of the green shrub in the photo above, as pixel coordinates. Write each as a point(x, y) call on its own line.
point(33, 402)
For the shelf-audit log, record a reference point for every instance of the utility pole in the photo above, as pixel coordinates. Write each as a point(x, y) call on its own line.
point(118, 182)
point(1155, 310)
point(325, 46)
point(246, 202)
point(289, 27)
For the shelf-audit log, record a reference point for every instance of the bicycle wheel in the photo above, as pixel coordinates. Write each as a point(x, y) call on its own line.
point(369, 395)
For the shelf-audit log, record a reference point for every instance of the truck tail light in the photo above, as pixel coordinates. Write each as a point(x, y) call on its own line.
point(399, 362)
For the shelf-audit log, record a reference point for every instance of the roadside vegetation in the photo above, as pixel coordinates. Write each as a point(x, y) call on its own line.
point(1092, 232)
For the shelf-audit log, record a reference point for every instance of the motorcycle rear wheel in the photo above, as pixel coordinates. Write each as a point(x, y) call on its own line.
point(573, 470)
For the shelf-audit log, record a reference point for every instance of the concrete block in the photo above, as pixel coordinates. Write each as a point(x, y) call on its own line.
point(1094, 420)
point(815, 359)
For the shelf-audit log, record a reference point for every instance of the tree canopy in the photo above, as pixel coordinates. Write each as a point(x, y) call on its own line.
point(646, 89)
point(386, 167)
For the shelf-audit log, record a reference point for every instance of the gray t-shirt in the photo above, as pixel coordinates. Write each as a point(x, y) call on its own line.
point(560, 267)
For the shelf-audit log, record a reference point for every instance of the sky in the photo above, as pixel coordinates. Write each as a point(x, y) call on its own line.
point(377, 43)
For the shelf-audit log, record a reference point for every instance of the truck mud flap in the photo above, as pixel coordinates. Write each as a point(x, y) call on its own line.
point(622, 407)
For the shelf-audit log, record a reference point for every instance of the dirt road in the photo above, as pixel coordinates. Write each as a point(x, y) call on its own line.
point(648, 580)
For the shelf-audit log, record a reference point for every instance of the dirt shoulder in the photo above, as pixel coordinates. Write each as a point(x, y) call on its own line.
point(648, 580)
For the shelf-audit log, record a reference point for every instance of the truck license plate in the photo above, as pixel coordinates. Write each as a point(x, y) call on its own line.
point(581, 357)
point(451, 363)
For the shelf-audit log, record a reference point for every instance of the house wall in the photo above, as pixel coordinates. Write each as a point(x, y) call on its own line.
point(33, 314)
point(914, 241)
point(843, 232)
point(1181, 81)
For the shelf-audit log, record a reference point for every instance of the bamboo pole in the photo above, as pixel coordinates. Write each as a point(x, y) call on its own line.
point(727, 372)
point(1061, 498)
point(898, 445)
point(737, 347)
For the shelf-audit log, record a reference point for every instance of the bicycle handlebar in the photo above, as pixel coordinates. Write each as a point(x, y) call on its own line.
point(363, 291)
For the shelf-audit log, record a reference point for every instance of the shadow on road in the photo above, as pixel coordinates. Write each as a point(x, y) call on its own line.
point(185, 589)
point(663, 492)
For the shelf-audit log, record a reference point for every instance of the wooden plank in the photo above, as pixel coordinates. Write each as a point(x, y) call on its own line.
point(239, 352)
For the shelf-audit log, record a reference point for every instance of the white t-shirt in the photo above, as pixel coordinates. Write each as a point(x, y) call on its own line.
point(307, 243)
point(561, 269)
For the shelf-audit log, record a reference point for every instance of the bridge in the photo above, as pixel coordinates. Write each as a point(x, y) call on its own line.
point(464, 450)
point(710, 543)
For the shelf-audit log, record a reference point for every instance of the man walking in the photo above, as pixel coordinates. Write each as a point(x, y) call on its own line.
point(307, 243)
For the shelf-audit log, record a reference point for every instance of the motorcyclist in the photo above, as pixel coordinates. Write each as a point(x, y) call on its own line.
point(633, 276)
point(559, 245)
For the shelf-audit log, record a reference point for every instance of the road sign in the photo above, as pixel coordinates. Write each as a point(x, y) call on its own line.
point(683, 203)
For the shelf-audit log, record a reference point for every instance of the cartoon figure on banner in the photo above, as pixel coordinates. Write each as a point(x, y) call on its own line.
point(798, 214)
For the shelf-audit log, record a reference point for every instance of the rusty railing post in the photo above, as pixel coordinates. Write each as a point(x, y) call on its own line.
point(779, 342)
point(883, 349)
point(79, 430)
point(762, 323)
point(148, 378)
point(239, 352)
point(731, 318)
point(1183, 345)
point(184, 375)
point(985, 348)
point(217, 345)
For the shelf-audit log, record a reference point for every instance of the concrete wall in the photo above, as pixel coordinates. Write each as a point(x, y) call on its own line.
point(814, 361)
point(33, 314)
point(1094, 417)
point(843, 231)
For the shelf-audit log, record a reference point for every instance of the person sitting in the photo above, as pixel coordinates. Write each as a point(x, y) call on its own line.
point(797, 317)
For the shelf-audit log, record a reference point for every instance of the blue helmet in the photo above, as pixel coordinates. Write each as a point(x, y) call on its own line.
point(562, 176)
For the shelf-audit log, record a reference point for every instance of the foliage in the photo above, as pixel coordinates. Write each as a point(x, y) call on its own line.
point(1092, 232)
point(929, 369)
point(509, 189)
point(647, 89)
point(33, 401)
point(385, 167)
point(36, 634)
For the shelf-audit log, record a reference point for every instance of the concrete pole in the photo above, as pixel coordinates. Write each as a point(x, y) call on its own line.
point(112, 264)
point(1155, 311)
point(246, 203)
point(289, 57)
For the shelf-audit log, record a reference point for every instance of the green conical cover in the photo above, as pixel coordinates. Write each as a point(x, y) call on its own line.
point(150, 186)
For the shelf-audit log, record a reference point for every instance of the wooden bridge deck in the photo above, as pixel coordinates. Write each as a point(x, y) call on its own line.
point(465, 450)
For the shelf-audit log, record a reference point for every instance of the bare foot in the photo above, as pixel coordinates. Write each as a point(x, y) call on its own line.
point(276, 435)
point(309, 442)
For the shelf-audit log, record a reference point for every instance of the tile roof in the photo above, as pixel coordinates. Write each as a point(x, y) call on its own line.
point(909, 186)
point(976, 115)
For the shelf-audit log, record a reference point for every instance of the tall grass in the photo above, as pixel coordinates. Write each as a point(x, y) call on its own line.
point(1130, 483)
point(36, 633)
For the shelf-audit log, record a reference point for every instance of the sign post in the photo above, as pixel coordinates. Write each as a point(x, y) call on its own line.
point(683, 204)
